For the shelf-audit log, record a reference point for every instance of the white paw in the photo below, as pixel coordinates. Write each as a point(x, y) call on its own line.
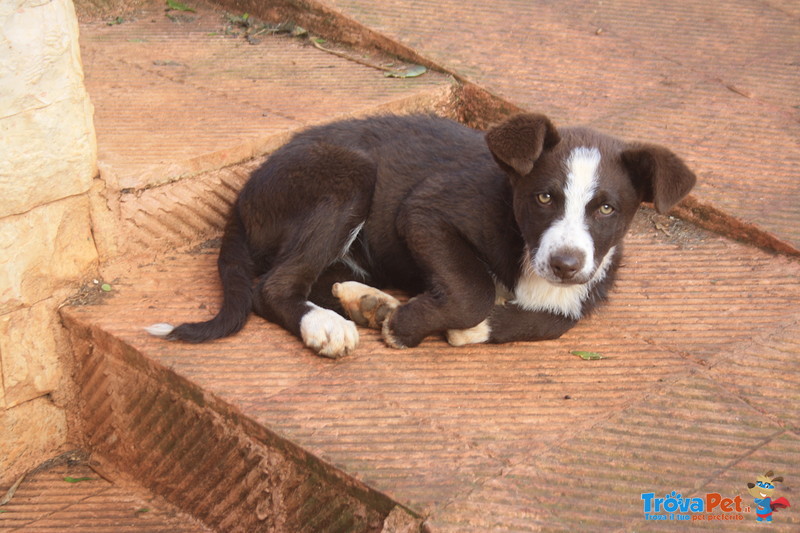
point(160, 330)
point(328, 333)
point(473, 335)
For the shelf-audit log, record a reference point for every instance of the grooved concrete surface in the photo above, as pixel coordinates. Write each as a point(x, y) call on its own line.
point(177, 96)
point(699, 390)
point(719, 82)
point(184, 102)
point(46, 502)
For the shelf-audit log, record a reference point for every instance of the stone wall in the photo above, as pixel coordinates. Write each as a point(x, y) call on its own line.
point(47, 164)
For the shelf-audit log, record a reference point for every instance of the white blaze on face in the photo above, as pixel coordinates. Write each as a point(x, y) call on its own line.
point(570, 231)
point(539, 289)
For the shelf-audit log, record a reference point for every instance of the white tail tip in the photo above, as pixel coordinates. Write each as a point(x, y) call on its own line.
point(159, 330)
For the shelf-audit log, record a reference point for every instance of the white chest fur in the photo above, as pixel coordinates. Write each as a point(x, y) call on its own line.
point(534, 293)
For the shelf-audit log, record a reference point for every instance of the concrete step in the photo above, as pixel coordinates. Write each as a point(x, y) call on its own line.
point(71, 495)
point(255, 433)
point(718, 84)
point(247, 429)
point(185, 105)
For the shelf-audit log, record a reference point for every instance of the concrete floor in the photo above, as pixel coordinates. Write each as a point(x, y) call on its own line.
point(76, 498)
point(700, 388)
point(720, 83)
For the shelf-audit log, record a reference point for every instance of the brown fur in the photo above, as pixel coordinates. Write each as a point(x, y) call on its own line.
point(447, 214)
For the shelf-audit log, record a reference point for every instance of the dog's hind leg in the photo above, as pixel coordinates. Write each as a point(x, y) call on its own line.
point(283, 295)
point(332, 205)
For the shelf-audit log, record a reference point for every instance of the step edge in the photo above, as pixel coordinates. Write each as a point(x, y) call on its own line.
point(95, 341)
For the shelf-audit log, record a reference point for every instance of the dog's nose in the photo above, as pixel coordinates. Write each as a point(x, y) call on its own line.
point(566, 264)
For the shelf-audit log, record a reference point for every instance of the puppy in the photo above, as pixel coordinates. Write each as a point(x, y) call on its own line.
point(512, 235)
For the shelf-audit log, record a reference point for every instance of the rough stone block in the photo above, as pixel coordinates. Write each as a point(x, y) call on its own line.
point(47, 138)
point(40, 42)
point(48, 154)
point(30, 342)
point(2, 391)
point(31, 433)
point(46, 249)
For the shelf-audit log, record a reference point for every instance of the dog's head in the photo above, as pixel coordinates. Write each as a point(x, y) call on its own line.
point(764, 486)
point(576, 191)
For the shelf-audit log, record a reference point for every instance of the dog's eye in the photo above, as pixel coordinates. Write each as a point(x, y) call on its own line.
point(544, 198)
point(605, 209)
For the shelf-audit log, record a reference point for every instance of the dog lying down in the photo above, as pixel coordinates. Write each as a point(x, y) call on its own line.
point(511, 235)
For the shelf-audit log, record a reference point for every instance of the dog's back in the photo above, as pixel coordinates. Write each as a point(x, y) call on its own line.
point(430, 206)
point(405, 151)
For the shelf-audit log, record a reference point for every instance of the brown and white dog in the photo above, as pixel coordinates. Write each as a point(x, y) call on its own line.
point(512, 235)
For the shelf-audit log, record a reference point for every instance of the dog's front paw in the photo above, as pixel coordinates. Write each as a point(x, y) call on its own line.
point(365, 305)
point(389, 336)
point(473, 335)
point(328, 333)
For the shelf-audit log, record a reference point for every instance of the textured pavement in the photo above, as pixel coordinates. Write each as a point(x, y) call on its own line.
point(184, 102)
point(717, 82)
point(77, 498)
point(196, 95)
point(699, 390)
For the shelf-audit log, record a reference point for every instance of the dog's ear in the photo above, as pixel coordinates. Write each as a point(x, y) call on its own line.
point(660, 176)
point(518, 142)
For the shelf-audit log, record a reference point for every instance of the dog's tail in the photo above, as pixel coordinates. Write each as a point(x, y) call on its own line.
point(236, 271)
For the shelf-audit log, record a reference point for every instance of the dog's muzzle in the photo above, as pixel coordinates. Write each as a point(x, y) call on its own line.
point(566, 265)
